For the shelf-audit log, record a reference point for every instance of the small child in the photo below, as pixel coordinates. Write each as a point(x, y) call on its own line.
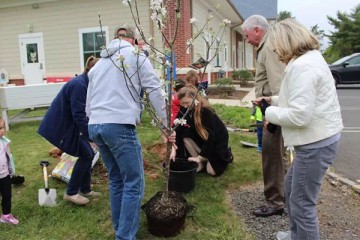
point(175, 106)
point(6, 170)
point(257, 115)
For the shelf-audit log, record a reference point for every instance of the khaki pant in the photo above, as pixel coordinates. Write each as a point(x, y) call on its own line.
point(273, 163)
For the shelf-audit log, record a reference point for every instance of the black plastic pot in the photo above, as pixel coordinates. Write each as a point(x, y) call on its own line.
point(182, 175)
point(166, 218)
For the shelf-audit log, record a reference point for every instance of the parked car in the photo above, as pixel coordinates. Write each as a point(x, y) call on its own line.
point(346, 70)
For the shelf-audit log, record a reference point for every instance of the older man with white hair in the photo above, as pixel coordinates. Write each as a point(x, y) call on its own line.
point(267, 83)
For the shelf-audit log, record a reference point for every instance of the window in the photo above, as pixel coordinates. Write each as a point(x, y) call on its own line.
point(354, 61)
point(234, 58)
point(92, 42)
point(241, 55)
point(249, 57)
point(218, 51)
point(226, 53)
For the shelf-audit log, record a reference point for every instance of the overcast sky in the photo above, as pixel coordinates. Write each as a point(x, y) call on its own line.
point(312, 12)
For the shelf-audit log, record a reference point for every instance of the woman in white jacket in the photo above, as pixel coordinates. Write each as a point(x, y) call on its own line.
point(308, 111)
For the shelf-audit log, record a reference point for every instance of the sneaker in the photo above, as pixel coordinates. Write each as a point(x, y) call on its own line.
point(91, 194)
point(259, 149)
point(77, 199)
point(9, 218)
point(283, 235)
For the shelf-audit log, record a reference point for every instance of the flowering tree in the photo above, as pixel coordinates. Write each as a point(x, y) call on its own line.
point(165, 57)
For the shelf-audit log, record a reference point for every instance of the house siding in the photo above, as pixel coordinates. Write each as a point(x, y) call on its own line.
point(200, 12)
point(60, 22)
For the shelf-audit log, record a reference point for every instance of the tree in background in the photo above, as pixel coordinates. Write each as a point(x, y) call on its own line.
point(345, 39)
point(284, 14)
point(318, 33)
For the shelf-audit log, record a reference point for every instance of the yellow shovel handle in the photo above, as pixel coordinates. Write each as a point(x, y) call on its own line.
point(45, 176)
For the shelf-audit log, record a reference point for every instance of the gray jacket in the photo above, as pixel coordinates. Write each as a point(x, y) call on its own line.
point(113, 94)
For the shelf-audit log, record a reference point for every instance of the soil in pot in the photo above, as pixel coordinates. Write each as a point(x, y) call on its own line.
point(182, 175)
point(166, 218)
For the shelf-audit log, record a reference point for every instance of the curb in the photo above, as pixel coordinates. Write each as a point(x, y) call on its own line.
point(353, 185)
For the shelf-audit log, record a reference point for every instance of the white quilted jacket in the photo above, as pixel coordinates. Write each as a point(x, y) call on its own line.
point(307, 107)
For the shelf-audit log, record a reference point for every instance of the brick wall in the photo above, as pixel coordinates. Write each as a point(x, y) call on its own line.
point(184, 30)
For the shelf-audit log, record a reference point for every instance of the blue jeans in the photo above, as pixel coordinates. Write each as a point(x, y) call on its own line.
point(81, 175)
point(120, 150)
point(302, 187)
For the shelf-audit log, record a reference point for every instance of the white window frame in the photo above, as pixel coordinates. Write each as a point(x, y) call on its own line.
point(105, 30)
point(218, 62)
point(207, 38)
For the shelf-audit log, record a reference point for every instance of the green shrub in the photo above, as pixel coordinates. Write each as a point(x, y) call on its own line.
point(243, 75)
point(224, 82)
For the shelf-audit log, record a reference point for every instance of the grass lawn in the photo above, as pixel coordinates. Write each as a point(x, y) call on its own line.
point(212, 218)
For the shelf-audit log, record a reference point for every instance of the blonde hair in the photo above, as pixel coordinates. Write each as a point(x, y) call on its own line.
point(90, 62)
point(192, 77)
point(290, 39)
point(191, 91)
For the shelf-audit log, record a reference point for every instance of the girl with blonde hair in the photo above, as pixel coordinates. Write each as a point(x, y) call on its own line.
point(204, 137)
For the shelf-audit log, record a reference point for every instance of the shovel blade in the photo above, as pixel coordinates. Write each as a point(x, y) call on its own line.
point(47, 198)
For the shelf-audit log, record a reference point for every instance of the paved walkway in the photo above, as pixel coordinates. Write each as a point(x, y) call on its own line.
point(245, 102)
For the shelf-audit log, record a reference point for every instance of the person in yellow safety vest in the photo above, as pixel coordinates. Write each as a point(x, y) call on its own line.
point(257, 116)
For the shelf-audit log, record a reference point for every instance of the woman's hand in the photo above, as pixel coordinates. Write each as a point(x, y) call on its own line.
point(173, 152)
point(171, 138)
point(195, 159)
point(257, 101)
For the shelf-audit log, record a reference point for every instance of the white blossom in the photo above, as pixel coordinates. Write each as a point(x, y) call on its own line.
point(136, 50)
point(226, 21)
point(126, 2)
point(164, 94)
point(153, 122)
point(121, 58)
point(150, 38)
point(181, 121)
point(155, 5)
point(193, 20)
point(167, 63)
point(190, 42)
point(152, 56)
point(153, 16)
point(163, 11)
point(202, 92)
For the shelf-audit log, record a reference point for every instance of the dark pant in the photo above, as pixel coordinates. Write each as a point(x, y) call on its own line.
point(259, 132)
point(80, 177)
point(273, 168)
point(5, 190)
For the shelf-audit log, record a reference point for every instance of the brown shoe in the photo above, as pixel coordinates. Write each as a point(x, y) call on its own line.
point(266, 211)
point(77, 199)
point(90, 194)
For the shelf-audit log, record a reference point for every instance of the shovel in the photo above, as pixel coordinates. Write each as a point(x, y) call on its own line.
point(47, 196)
